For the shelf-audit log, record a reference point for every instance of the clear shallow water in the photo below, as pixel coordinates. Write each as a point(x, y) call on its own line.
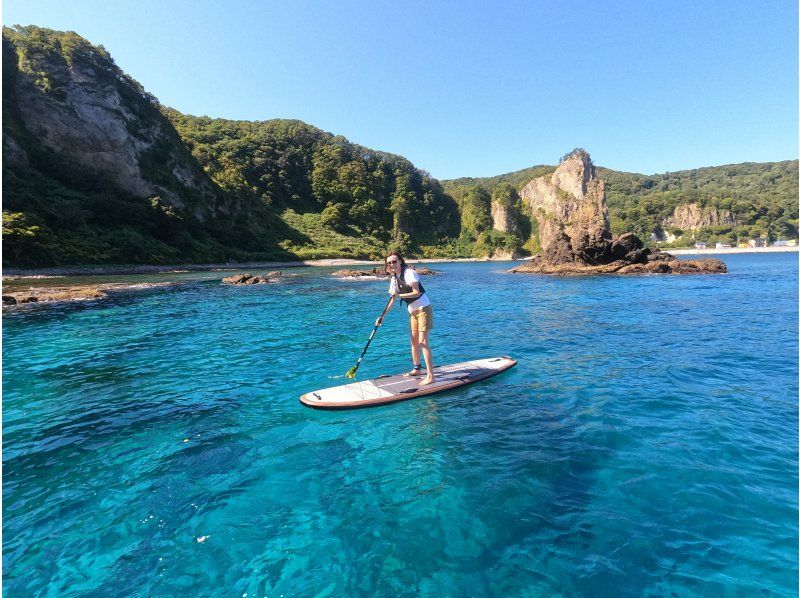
point(646, 444)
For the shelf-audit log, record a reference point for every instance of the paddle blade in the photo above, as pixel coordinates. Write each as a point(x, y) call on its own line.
point(351, 373)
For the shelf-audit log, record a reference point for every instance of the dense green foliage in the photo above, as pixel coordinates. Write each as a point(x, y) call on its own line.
point(289, 165)
point(279, 189)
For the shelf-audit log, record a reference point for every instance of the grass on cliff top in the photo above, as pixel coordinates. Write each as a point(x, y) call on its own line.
point(319, 241)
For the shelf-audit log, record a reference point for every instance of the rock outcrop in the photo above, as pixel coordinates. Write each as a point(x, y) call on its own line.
point(570, 208)
point(243, 279)
point(503, 218)
point(377, 273)
point(692, 217)
point(348, 273)
point(59, 293)
point(574, 232)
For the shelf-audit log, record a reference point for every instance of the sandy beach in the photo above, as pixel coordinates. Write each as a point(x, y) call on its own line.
point(729, 250)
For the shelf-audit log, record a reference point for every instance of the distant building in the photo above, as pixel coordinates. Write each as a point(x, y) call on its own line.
point(779, 243)
point(791, 243)
point(757, 242)
point(743, 244)
point(723, 245)
point(701, 245)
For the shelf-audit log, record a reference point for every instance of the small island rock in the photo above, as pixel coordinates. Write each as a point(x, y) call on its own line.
point(575, 233)
point(240, 279)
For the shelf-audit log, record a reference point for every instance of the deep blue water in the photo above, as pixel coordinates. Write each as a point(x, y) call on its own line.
point(646, 444)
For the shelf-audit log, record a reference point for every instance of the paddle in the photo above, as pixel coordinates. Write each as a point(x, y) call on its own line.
point(351, 373)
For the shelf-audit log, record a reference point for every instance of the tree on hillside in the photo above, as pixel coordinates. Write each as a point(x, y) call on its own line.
point(476, 215)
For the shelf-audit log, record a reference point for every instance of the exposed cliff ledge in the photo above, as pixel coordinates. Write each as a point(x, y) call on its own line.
point(570, 208)
point(692, 217)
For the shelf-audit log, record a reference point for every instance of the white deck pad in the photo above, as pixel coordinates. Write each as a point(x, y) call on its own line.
point(390, 389)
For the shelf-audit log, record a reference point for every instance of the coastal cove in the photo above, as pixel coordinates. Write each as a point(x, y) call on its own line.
point(646, 442)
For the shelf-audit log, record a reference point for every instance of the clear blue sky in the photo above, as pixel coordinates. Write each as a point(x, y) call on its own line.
point(472, 88)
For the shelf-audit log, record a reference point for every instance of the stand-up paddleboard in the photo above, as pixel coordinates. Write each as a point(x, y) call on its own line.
point(390, 389)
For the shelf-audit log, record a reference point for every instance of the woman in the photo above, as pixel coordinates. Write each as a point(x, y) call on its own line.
point(406, 286)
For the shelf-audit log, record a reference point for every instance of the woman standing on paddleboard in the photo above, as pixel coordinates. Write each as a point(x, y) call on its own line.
point(405, 285)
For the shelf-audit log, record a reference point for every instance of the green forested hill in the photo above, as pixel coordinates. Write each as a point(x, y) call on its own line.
point(96, 171)
point(355, 201)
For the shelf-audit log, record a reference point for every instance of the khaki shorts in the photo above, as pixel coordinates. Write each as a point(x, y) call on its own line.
point(422, 320)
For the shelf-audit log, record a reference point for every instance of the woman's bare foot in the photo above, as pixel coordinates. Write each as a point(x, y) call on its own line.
point(414, 372)
point(428, 380)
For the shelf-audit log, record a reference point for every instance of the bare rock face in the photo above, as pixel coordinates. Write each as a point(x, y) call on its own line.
point(692, 217)
point(574, 231)
point(570, 208)
point(92, 116)
point(502, 218)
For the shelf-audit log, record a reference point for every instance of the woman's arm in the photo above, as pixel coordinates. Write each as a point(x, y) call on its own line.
point(413, 294)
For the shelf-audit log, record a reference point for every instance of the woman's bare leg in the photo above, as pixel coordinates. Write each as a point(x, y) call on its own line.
point(426, 353)
point(414, 355)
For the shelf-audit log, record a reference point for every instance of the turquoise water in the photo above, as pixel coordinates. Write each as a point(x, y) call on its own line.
point(646, 444)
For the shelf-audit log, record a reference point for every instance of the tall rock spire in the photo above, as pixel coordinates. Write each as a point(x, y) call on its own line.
point(570, 208)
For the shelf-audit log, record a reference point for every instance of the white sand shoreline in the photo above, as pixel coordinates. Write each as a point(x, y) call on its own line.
point(731, 250)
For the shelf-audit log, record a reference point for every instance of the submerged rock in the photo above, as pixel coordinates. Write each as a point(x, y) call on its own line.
point(56, 294)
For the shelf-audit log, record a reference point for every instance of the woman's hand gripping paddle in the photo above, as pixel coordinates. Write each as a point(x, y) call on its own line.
point(351, 373)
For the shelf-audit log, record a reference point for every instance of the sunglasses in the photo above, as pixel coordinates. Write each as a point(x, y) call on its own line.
point(392, 262)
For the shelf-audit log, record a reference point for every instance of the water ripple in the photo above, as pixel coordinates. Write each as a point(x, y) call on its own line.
point(646, 444)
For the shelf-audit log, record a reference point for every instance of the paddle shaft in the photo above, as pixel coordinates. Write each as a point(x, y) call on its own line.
point(371, 336)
